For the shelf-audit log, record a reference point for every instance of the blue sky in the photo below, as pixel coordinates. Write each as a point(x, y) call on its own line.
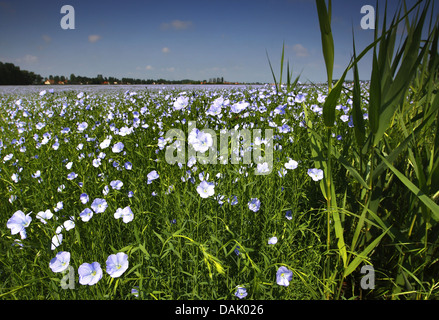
point(179, 39)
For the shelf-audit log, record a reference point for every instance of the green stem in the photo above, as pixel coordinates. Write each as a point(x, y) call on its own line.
point(328, 185)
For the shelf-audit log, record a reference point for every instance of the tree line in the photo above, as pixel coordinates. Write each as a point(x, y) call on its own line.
point(12, 75)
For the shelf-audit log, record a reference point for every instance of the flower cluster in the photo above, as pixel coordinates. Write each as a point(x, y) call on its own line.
point(91, 273)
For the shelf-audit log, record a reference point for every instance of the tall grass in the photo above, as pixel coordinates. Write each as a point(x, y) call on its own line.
point(391, 218)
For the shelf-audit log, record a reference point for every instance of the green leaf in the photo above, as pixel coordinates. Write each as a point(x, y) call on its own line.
point(363, 255)
point(357, 112)
point(324, 15)
point(413, 188)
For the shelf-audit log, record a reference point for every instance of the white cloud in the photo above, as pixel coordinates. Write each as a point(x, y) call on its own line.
point(176, 25)
point(27, 59)
point(93, 38)
point(149, 67)
point(166, 50)
point(300, 51)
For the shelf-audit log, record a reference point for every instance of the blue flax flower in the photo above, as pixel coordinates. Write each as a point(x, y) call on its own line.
point(99, 205)
point(89, 274)
point(254, 204)
point(60, 262)
point(241, 292)
point(117, 264)
point(284, 276)
point(19, 222)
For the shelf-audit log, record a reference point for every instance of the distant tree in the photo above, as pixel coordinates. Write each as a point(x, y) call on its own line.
point(12, 75)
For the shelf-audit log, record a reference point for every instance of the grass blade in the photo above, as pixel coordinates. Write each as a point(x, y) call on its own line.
point(413, 188)
point(324, 14)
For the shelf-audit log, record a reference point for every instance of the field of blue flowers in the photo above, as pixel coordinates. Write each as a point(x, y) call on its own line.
point(276, 192)
point(95, 205)
point(86, 189)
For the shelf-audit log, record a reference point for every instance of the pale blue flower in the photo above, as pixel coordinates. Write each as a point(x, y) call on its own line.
point(118, 147)
point(99, 205)
point(206, 189)
point(254, 204)
point(241, 292)
point(86, 214)
point(315, 174)
point(82, 126)
point(69, 224)
point(239, 106)
point(126, 214)
point(263, 167)
point(72, 176)
point(45, 215)
point(291, 165)
point(105, 144)
point(15, 177)
point(116, 184)
point(60, 262)
point(56, 241)
point(135, 291)
point(96, 162)
point(128, 165)
point(84, 198)
point(19, 222)
point(234, 200)
point(125, 131)
point(272, 240)
point(191, 161)
point(8, 157)
point(59, 206)
point(152, 176)
point(181, 102)
point(282, 172)
point(200, 140)
point(37, 174)
point(284, 276)
point(344, 118)
point(89, 274)
point(300, 98)
point(117, 264)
